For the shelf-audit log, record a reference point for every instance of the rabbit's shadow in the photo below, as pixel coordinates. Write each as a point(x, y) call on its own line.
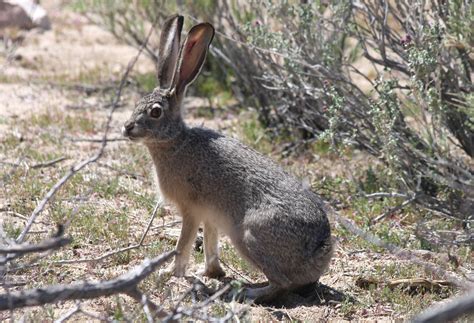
point(317, 294)
point(313, 295)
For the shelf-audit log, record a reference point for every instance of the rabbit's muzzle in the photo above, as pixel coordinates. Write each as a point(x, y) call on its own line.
point(127, 129)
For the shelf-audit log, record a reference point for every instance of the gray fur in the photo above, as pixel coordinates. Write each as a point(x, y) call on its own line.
point(276, 223)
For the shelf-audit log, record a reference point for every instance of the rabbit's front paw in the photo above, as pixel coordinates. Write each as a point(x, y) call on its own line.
point(212, 272)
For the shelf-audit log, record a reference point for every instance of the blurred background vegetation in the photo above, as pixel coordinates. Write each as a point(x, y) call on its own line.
point(391, 78)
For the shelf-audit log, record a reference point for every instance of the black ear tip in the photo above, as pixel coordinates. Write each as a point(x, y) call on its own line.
point(213, 31)
point(180, 20)
point(172, 18)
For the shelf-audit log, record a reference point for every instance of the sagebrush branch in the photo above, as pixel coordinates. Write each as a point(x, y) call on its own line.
point(52, 294)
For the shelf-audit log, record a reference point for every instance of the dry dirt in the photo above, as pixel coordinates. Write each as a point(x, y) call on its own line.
point(43, 76)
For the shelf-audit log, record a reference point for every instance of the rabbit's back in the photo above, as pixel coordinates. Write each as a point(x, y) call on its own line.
point(205, 167)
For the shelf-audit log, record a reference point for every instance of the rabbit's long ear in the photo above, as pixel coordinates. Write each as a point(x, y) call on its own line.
point(192, 56)
point(169, 50)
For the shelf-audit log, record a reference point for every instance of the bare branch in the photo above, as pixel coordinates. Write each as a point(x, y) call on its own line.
point(147, 303)
point(49, 244)
point(53, 294)
point(99, 140)
point(448, 312)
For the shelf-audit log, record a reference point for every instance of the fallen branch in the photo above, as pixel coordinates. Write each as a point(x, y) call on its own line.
point(49, 244)
point(122, 172)
point(52, 294)
point(448, 312)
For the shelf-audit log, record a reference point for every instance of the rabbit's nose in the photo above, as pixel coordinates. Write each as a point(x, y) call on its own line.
point(129, 125)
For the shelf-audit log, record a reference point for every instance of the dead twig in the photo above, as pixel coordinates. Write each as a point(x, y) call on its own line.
point(148, 305)
point(244, 277)
point(69, 314)
point(42, 204)
point(46, 245)
point(53, 294)
point(448, 312)
point(14, 250)
point(38, 165)
point(15, 214)
point(49, 163)
point(98, 140)
point(194, 311)
point(122, 172)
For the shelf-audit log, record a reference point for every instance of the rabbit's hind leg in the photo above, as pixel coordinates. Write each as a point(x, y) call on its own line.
point(265, 294)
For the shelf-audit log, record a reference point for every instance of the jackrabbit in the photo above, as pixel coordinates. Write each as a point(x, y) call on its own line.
point(275, 223)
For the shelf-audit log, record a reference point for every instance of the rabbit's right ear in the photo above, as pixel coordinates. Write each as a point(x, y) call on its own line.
point(169, 50)
point(193, 53)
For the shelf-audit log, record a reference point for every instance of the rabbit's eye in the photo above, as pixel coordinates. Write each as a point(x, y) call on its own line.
point(155, 111)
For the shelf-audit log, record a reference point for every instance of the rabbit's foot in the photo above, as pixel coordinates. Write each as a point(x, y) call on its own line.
point(263, 294)
point(214, 271)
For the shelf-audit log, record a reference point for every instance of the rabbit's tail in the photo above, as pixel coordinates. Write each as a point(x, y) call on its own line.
point(323, 255)
point(319, 263)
